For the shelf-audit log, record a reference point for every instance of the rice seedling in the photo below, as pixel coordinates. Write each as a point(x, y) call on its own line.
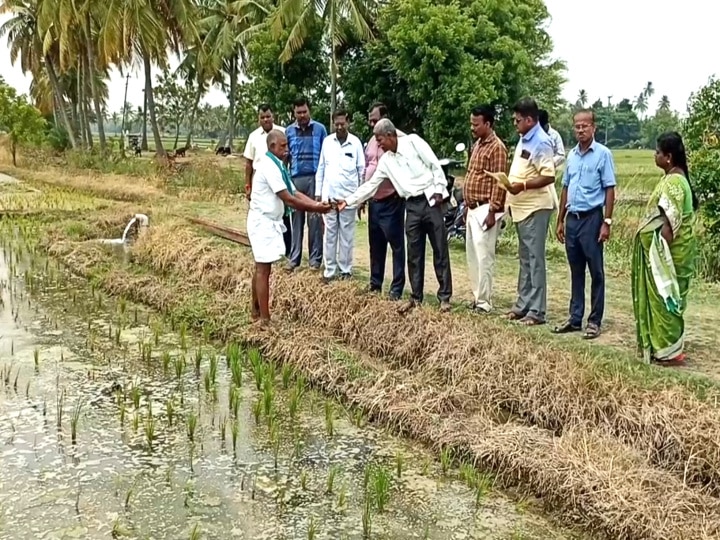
point(258, 370)
point(128, 495)
point(192, 422)
point(179, 364)
point(213, 369)
point(234, 401)
point(117, 335)
point(170, 410)
point(15, 381)
point(445, 459)
point(60, 400)
point(236, 370)
point(257, 410)
point(166, 362)
point(208, 382)
point(207, 332)
point(156, 336)
point(329, 418)
point(342, 497)
point(367, 517)
point(136, 395)
point(135, 421)
point(74, 420)
point(380, 488)
point(232, 354)
point(312, 529)
point(222, 425)
point(110, 332)
point(286, 374)
point(122, 305)
point(332, 473)
point(122, 413)
point(195, 533)
point(268, 397)
point(36, 359)
point(399, 463)
point(275, 442)
point(150, 431)
point(27, 389)
point(468, 474)
point(198, 361)
point(303, 480)
point(483, 484)
point(234, 430)
point(135, 315)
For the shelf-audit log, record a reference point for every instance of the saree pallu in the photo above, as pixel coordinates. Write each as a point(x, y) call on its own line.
point(661, 275)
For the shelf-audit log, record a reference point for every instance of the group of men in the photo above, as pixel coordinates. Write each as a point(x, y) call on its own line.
point(402, 180)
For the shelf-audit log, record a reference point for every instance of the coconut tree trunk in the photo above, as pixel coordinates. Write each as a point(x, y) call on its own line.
point(231, 98)
point(144, 142)
point(61, 103)
point(93, 87)
point(79, 105)
point(85, 100)
point(193, 115)
point(159, 150)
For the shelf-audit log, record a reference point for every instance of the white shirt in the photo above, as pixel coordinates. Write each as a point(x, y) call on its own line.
point(267, 183)
point(341, 167)
point(558, 147)
point(256, 145)
point(413, 169)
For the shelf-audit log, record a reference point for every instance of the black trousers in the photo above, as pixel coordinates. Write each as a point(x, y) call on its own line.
point(386, 224)
point(287, 235)
point(422, 223)
point(585, 254)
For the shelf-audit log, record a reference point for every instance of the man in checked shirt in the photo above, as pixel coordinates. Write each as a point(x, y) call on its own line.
point(485, 202)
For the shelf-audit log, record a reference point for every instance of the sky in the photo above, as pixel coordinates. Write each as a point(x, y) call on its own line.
point(611, 48)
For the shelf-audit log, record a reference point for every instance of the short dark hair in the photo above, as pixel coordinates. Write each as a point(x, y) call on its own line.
point(264, 107)
point(486, 111)
point(527, 107)
point(301, 101)
point(381, 107)
point(586, 111)
point(543, 117)
point(340, 112)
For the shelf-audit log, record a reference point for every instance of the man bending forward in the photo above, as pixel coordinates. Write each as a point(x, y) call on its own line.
point(273, 195)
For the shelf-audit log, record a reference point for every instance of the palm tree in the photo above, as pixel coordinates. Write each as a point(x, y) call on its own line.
point(649, 91)
point(582, 98)
point(641, 105)
point(664, 104)
point(24, 40)
point(340, 19)
point(141, 32)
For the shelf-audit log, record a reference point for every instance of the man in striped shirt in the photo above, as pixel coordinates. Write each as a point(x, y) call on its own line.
point(305, 139)
point(484, 204)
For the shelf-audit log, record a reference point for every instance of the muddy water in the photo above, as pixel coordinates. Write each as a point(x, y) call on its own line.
point(112, 424)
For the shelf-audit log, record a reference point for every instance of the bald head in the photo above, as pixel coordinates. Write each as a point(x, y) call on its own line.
point(386, 135)
point(277, 143)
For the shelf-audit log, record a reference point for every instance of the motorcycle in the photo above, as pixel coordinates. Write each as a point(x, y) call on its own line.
point(454, 218)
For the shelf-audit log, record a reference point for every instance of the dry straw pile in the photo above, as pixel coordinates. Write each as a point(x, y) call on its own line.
point(613, 454)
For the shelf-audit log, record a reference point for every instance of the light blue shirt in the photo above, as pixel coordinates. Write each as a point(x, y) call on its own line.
point(587, 176)
point(538, 145)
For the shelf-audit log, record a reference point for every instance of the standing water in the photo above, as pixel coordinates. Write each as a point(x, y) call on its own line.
point(115, 422)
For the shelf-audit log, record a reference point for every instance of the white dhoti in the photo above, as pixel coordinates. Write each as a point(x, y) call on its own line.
point(266, 237)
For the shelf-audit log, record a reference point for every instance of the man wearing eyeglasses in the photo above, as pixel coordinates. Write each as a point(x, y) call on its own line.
point(584, 221)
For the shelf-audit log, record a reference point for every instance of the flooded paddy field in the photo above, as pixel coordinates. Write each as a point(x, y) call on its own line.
point(117, 422)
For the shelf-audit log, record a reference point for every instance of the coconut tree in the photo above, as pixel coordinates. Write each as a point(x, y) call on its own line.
point(141, 33)
point(582, 98)
point(664, 104)
point(26, 46)
point(339, 18)
point(641, 105)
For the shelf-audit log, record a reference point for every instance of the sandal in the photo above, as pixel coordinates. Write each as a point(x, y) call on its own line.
point(512, 316)
point(566, 328)
point(679, 360)
point(592, 331)
point(529, 321)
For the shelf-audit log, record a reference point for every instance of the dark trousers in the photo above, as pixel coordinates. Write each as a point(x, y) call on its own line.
point(386, 225)
point(585, 252)
point(287, 235)
point(424, 222)
point(306, 185)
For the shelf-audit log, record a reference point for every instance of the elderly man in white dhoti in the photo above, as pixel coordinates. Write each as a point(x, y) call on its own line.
point(273, 195)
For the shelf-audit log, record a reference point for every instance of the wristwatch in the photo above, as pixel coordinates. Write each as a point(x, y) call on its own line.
point(608, 221)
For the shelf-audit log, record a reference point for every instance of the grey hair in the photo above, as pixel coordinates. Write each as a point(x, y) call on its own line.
point(384, 127)
point(274, 136)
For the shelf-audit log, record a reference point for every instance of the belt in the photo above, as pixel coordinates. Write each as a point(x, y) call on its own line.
point(392, 197)
point(474, 204)
point(585, 214)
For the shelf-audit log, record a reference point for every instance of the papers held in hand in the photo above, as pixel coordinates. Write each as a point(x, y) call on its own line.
point(501, 178)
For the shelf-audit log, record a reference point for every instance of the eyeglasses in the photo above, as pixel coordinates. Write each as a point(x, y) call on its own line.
point(582, 127)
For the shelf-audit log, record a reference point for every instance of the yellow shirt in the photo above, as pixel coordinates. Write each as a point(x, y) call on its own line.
point(533, 158)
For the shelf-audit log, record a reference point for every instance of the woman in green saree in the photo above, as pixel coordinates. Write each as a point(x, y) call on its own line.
point(664, 257)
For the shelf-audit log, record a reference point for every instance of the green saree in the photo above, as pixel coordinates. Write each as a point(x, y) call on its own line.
point(661, 273)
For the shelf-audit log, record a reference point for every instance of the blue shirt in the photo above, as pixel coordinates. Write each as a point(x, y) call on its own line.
point(305, 146)
point(587, 176)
